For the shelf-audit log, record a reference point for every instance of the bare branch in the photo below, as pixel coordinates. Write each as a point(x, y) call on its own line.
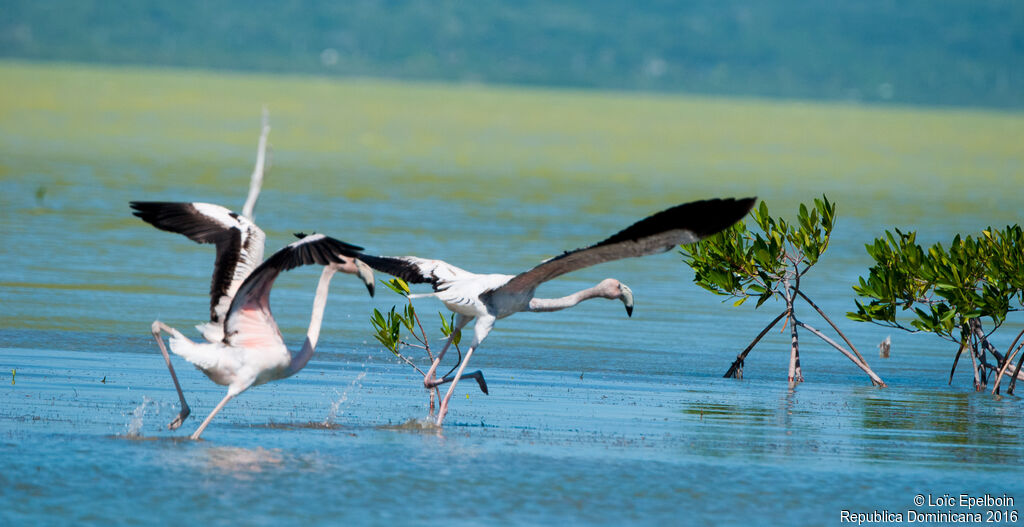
point(795, 373)
point(956, 359)
point(836, 328)
point(1006, 363)
point(737, 365)
point(875, 379)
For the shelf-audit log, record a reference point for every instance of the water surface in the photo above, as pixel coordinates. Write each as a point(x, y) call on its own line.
point(593, 417)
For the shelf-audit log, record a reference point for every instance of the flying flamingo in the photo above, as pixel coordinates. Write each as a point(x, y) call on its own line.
point(239, 244)
point(489, 297)
point(252, 351)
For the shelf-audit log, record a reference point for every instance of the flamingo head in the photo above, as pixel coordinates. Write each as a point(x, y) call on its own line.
point(356, 267)
point(616, 290)
point(365, 274)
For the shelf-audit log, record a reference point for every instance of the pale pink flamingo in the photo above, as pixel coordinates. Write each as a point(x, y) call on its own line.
point(489, 297)
point(252, 351)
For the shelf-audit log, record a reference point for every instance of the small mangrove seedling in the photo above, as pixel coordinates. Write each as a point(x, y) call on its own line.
point(388, 326)
point(949, 292)
point(741, 264)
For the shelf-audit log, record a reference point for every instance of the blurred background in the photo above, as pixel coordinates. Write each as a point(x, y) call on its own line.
point(945, 52)
point(493, 135)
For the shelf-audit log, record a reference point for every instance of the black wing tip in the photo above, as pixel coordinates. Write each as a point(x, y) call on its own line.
point(737, 207)
point(709, 216)
point(703, 218)
point(147, 210)
point(734, 210)
point(399, 267)
point(345, 248)
point(154, 209)
point(150, 205)
point(141, 207)
point(748, 203)
point(350, 247)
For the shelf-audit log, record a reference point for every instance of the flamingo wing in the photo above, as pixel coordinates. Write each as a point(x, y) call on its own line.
point(438, 273)
point(660, 232)
point(249, 322)
point(238, 240)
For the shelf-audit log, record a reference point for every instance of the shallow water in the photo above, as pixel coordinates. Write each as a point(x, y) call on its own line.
point(593, 417)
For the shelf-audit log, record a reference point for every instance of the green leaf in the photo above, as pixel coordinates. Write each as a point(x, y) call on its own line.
point(397, 285)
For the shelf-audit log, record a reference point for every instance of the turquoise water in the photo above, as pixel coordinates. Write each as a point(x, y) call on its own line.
point(593, 417)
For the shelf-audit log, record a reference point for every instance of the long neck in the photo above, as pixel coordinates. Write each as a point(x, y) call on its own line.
point(300, 359)
point(555, 304)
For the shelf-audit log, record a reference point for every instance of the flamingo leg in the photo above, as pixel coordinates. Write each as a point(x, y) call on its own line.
point(209, 418)
point(482, 328)
point(478, 375)
point(185, 410)
point(430, 380)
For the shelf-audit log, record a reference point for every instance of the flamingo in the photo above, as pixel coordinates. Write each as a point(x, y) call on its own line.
point(239, 244)
point(490, 297)
point(252, 351)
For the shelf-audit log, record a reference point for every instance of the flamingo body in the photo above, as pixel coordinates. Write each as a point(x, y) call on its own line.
point(491, 297)
point(252, 351)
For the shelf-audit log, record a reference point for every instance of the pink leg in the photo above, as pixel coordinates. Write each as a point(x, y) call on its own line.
point(213, 413)
point(430, 380)
point(458, 375)
point(185, 410)
point(480, 330)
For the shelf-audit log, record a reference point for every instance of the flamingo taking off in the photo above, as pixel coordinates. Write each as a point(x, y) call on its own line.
point(252, 351)
point(489, 297)
point(239, 244)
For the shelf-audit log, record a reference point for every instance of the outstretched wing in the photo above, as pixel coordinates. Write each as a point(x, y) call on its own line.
point(682, 224)
point(249, 322)
point(238, 240)
point(415, 270)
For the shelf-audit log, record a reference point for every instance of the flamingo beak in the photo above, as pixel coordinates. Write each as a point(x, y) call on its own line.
point(627, 298)
point(365, 274)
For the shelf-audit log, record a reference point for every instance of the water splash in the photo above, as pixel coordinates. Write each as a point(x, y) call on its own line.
point(342, 399)
point(134, 426)
point(415, 424)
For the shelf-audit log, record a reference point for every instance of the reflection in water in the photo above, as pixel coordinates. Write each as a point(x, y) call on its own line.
point(422, 425)
point(938, 426)
point(241, 462)
point(902, 426)
point(307, 425)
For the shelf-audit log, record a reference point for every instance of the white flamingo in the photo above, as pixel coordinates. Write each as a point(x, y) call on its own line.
point(239, 244)
point(252, 351)
point(489, 297)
